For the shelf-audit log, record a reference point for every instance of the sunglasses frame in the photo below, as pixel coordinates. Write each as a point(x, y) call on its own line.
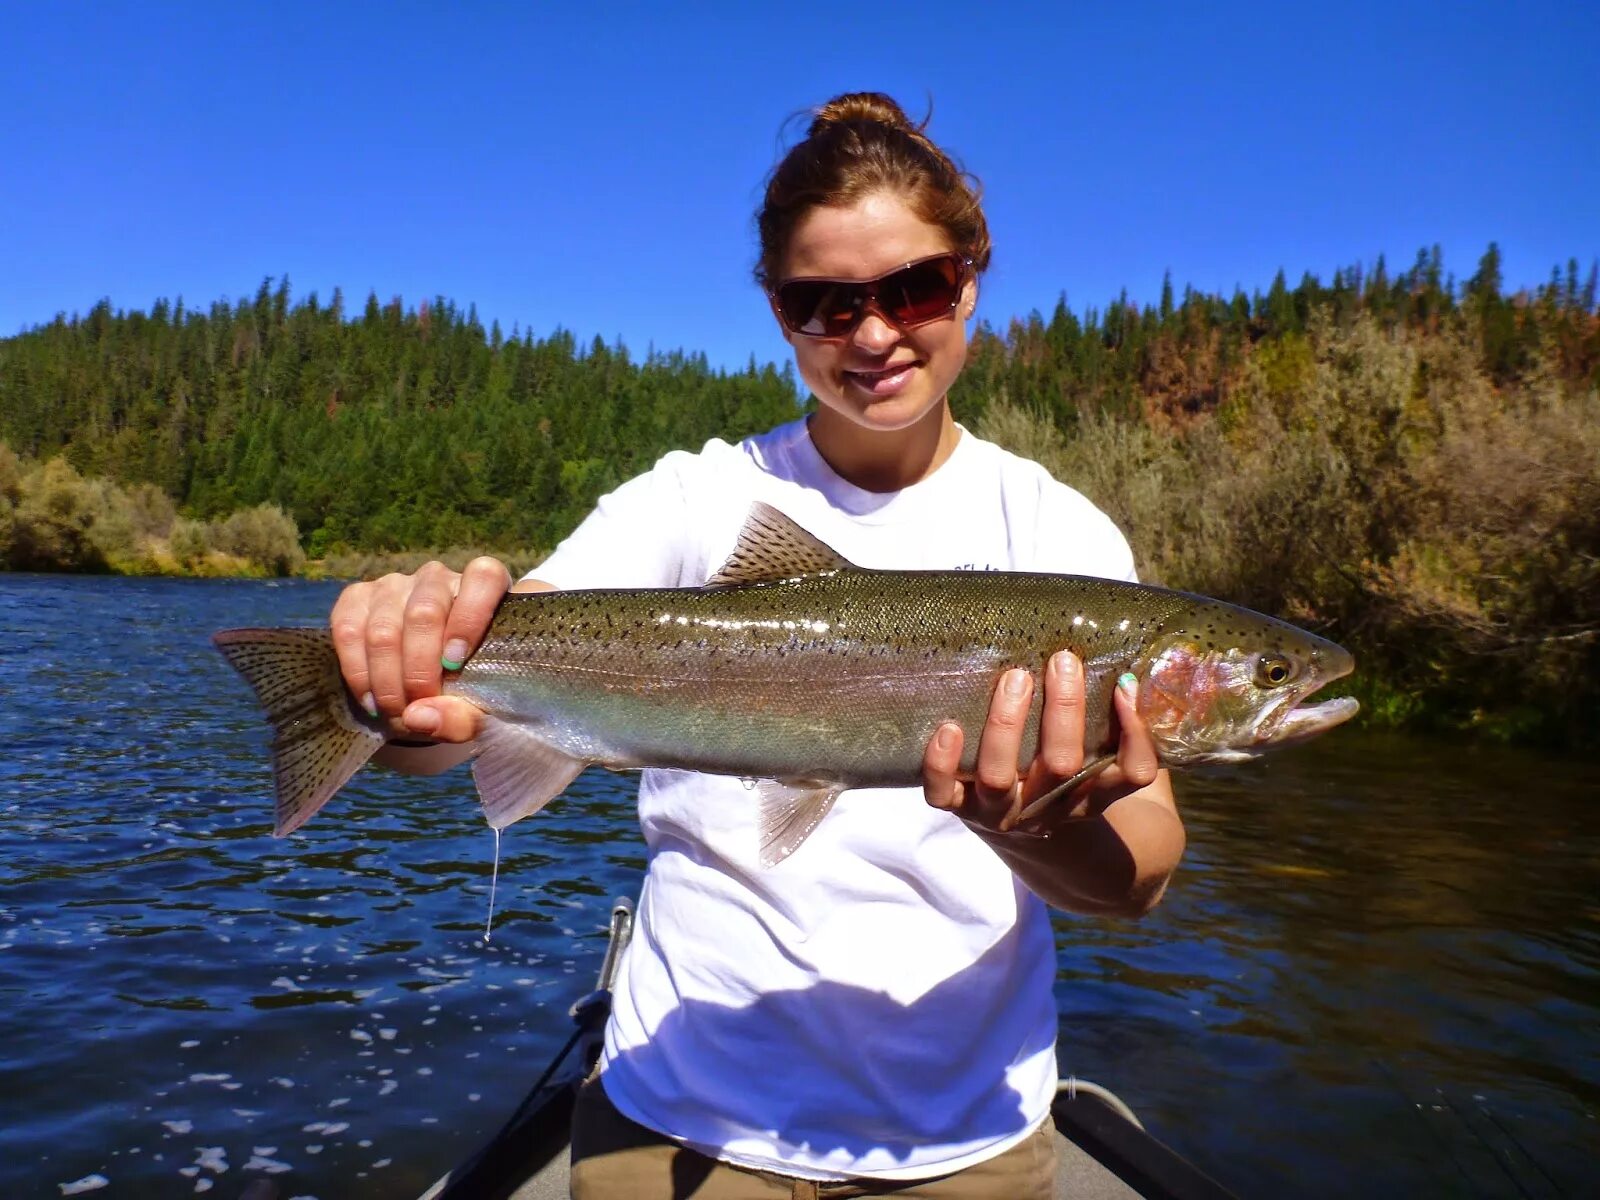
point(869, 300)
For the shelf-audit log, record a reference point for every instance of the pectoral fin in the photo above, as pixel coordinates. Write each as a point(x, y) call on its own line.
point(518, 772)
point(789, 810)
point(1067, 788)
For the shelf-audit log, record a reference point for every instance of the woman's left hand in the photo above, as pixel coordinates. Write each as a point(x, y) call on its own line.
point(1109, 848)
point(1000, 789)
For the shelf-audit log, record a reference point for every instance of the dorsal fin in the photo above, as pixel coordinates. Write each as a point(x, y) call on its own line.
point(772, 547)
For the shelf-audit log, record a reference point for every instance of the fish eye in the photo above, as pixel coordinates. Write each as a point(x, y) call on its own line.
point(1274, 670)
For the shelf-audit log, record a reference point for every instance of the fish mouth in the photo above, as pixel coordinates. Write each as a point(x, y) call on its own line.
point(1305, 721)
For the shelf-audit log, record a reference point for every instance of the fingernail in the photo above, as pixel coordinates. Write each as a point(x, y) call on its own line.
point(455, 653)
point(1066, 664)
point(368, 703)
point(1016, 683)
point(945, 738)
point(1129, 683)
point(422, 718)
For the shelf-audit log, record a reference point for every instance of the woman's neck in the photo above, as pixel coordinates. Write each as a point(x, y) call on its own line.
point(886, 460)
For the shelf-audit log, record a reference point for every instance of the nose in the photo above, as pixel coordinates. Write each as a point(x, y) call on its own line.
point(875, 334)
point(1332, 659)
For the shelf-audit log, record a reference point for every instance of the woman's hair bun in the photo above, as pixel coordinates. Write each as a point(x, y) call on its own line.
point(861, 143)
point(861, 106)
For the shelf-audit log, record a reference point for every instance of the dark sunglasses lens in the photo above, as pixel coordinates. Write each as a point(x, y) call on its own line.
point(922, 292)
point(819, 307)
point(831, 308)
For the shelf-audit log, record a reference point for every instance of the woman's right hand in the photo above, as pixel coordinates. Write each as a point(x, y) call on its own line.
point(397, 635)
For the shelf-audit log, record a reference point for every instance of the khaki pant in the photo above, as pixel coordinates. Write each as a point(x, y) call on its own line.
point(614, 1158)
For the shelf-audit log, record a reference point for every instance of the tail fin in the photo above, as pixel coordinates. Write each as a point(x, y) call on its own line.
point(320, 737)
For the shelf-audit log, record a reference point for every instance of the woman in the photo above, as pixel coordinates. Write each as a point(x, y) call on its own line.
point(874, 1015)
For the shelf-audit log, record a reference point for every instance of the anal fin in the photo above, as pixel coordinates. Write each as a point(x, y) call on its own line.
point(518, 772)
point(788, 811)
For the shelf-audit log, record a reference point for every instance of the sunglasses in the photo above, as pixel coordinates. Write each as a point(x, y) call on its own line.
point(906, 297)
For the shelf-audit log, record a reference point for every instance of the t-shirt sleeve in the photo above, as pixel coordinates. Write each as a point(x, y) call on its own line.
point(632, 539)
point(1076, 538)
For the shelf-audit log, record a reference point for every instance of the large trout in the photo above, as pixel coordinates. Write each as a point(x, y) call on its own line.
point(799, 670)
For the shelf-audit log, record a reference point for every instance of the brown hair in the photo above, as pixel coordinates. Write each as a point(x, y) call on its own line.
point(860, 143)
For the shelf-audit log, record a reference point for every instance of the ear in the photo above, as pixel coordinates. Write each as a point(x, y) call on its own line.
point(969, 299)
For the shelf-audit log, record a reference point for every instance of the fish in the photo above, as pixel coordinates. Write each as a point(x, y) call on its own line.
point(805, 675)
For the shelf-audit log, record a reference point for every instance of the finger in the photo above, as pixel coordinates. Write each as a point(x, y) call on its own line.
point(1061, 720)
point(1001, 743)
point(1136, 749)
point(478, 593)
point(348, 625)
point(940, 762)
point(995, 795)
point(433, 593)
point(444, 718)
point(384, 635)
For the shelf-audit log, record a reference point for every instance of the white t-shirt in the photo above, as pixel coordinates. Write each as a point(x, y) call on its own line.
point(880, 1003)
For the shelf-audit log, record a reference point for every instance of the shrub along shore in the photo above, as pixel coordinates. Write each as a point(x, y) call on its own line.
point(54, 519)
point(1408, 466)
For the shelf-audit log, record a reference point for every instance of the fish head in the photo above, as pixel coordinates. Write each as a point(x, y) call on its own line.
point(1227, 684)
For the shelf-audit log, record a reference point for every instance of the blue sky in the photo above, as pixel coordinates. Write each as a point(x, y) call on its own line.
point(596, 167)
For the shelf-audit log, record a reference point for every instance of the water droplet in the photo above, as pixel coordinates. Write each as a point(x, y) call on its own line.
point(494, 879)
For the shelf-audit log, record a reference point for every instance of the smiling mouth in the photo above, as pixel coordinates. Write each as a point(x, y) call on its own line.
point(888, 376)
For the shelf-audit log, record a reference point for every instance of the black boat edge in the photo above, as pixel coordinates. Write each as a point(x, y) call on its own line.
point(537, 1133)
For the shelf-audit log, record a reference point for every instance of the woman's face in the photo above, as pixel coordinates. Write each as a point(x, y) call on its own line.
point(878, 377)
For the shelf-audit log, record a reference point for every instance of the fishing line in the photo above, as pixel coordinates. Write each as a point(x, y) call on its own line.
point(494, 878)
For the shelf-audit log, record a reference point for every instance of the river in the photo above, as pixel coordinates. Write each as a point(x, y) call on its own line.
point(1377, 971)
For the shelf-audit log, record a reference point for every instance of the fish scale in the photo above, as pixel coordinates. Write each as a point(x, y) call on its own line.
point(799, 669)
point(917, 648)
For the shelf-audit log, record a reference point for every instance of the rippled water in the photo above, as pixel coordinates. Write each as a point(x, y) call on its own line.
point(1378, 970)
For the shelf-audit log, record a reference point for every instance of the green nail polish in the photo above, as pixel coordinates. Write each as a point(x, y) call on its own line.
point(371, 705)
point(1129, 682)
point(455, 653)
